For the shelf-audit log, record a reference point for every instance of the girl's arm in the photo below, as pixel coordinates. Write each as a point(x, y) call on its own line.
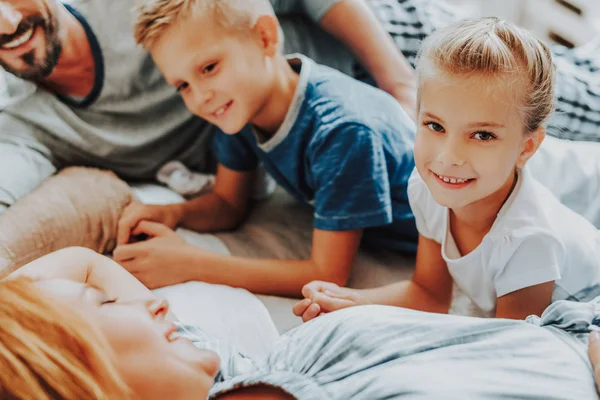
point(430, 289)
point(522, 303)
point(353, 22)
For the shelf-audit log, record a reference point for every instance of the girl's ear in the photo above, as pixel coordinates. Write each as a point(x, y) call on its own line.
point(531, 144)
point(266, 32)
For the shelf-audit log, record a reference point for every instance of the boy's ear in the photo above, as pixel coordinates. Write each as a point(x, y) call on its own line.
point(266, 31)
point(531, 143)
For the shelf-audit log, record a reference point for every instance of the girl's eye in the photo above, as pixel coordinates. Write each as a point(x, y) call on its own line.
point(484, 136)
point(434, 126)
point(183, 86)
point(209, 68)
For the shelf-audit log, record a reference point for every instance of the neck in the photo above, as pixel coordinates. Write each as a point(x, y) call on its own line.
point(74, 74)
point(480, 215)
point(273, 113)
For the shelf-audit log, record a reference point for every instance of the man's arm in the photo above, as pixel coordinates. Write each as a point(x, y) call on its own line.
point(353, 22)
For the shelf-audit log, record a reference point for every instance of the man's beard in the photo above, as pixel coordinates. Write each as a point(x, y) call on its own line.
point(40, 69)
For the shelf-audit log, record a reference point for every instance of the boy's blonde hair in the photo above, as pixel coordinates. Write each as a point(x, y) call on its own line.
point(49, 351)
point(155, 16)
point(489, 47)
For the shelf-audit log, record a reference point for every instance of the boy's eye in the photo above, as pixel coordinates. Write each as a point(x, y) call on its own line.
point(209, 68)
point(484, 136)
point(435, 127)
point(183, 86)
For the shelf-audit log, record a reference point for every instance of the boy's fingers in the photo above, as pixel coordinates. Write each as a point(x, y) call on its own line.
point(123, 230)
point(128, 252)
point(300, 307)
point(152, 229)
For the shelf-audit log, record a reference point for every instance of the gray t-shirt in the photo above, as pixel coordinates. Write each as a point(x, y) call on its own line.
point(132, 122)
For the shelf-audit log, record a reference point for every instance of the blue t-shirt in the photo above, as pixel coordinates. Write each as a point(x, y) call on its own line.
point(344, 147)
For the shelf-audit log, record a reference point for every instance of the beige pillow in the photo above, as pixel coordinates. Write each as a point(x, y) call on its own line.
point(77, 207)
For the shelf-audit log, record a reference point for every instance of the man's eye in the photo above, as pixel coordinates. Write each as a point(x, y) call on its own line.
point(484, 136)
point(435, 127)
point(183, 86)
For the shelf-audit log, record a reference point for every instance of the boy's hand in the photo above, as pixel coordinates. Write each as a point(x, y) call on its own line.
point(159, 261)
point(323, 297)
point(168, 215)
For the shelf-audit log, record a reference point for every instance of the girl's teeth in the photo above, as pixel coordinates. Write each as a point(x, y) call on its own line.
point(220, 111)
point(20, 40)
point(452, 180)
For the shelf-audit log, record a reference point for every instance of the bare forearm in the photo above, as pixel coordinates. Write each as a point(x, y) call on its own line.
point(86, 266)
point(278, 277)
point(369, 41)
point(406, 294)
point(209, 213)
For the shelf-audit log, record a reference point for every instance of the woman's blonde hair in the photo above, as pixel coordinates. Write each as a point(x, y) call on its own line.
point(490, 47)
point(49, 351)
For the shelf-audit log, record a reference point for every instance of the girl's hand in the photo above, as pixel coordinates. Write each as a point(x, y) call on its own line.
point(323, 297)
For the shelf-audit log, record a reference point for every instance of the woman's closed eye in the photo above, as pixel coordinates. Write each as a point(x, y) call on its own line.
point(484, 136)
point(109, 301)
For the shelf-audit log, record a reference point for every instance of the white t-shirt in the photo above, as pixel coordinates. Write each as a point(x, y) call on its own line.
point(535, 239)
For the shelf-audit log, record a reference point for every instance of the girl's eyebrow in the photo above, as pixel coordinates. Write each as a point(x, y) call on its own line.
point(485, 124)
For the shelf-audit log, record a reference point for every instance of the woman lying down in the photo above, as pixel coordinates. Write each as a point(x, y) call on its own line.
point(75, 325)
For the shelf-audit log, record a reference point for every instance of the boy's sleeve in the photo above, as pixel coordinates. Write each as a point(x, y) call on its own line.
point(234, 151)
point(533, 260)
point(314, 9)
point(350, 179)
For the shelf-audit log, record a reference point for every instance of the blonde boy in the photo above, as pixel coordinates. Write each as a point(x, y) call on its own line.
point(337, 144)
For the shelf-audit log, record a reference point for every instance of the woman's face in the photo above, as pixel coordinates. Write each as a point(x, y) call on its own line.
point(151, 360)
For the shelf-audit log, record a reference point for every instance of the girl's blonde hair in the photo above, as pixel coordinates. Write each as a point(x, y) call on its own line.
point(490, 47)
point(49, 351)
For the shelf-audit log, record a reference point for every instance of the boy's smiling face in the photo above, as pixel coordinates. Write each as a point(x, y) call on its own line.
point(224, 76)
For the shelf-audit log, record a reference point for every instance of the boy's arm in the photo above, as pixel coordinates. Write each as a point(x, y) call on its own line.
point(353, 22)
point(222, 209)
point(522, 303)
point(166, 259)
point(332, 257)
point(225, 207)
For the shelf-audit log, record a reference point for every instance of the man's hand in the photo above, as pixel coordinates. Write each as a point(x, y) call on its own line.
point(161, 260)
point(323, 297)
point(168, 215)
